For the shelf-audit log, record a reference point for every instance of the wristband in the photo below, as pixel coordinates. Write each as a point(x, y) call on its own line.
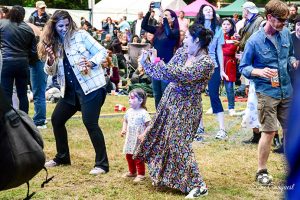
point(156, 60)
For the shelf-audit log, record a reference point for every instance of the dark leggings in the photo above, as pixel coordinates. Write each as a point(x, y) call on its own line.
point(90, 116)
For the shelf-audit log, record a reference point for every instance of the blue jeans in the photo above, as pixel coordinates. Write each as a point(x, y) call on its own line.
point(38, 83)
point(159, 87)
point(213, 89)
point(229, 86)
point(16, 71)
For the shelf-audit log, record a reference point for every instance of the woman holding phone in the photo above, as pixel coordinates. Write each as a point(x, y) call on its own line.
point(75, 57)
point(166, 41)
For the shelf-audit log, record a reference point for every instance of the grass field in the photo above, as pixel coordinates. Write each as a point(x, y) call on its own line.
point(227, 167)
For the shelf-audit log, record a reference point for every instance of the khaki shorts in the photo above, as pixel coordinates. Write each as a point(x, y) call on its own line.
point(270, 110)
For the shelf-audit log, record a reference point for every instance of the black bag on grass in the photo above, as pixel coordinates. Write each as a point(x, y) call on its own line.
point(21, 147)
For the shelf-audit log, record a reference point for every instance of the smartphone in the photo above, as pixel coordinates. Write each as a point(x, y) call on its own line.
point(156, 4)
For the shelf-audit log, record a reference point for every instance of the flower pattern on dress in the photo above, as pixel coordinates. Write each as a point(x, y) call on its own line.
point(167, 148)
point(250, 119)
point(136, 120)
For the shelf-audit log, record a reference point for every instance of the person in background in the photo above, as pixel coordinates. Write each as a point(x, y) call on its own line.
point(296, 43)
point(166, 41)
point(106, 43)
point(252, 24)
point(108, 27)
point(229, 51)
point(183, 22)
point(135, 39)
point(136, 26)
point(207, 17)
point(39, 17)
point(3, 12)
point(292, 16)
point(182, 36)
point(267, 55)
point(135, 125)
point(152, 21)
point(75, 56)
point(123, 24)
point(112, 73)
point(235, 18)
point(18, 48)
point(38, 77)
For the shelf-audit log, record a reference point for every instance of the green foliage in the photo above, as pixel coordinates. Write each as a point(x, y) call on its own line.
point(83, 4)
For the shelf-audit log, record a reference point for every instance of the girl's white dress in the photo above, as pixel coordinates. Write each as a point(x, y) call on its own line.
point(136, 120)
point(250, 119)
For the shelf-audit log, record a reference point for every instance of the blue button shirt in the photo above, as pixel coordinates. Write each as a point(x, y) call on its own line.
point(260, 52)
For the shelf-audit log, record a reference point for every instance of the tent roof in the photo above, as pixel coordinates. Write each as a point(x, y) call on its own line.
point(235, 7)
point(192, 9)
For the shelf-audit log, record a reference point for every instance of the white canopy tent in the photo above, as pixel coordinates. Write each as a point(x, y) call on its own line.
point(119, 8)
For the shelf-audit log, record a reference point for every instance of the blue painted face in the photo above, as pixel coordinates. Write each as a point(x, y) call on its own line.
point(62, 27)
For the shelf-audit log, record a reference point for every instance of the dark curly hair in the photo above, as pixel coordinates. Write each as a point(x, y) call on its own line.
point(204, 35)
point(232, 30)
point(200, 19)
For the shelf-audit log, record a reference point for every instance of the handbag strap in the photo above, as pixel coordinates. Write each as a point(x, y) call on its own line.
point(4, 105)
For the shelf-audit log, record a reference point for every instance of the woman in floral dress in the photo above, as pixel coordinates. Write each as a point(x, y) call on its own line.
point(167, 147)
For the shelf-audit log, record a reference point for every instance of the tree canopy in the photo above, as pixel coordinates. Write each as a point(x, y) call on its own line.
point(83, 4)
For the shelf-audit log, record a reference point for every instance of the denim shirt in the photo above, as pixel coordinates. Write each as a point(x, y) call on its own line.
point(260, 52)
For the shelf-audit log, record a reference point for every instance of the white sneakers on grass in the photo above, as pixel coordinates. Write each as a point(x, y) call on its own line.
point(222, 135)
point(97, 170)
point(198, 192)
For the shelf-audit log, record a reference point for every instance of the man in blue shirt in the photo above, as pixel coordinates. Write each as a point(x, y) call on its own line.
point(265, 60)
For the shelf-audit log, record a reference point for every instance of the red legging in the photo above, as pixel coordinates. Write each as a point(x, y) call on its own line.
point(135, 165)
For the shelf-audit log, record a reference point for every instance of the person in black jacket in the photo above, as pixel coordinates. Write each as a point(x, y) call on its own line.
point(39, 17)
point(18, 46)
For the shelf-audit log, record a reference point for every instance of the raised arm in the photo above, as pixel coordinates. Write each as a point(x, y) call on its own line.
point(146, 26)
point(181, 73)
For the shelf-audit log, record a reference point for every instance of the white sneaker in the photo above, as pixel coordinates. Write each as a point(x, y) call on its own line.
point(197, 192)
point(209, 111)
point(97, 170)
point(222, 135)
point(232, 112)
point(42, 126)
point(51, 163)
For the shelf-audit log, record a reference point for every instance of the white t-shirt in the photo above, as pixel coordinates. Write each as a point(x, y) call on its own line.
point(136, 120)
point(138, 27)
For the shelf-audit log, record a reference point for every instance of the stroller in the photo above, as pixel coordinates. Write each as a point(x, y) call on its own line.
point(134, 51)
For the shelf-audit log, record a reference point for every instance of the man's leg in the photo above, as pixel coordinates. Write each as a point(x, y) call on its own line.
point(264, 147)
point(39, 82)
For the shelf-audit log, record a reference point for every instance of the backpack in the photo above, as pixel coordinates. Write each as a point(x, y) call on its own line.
point(21, 148)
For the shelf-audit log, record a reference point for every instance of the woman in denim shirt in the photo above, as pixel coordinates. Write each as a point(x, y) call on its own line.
point(207, 17)
point(75, 57)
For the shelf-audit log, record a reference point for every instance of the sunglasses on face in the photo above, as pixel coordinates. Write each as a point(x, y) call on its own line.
point(280, 19)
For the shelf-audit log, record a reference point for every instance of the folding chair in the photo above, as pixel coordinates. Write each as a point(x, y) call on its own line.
point(134, 51)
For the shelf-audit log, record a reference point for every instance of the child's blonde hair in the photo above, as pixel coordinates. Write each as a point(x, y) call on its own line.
point(140, 94)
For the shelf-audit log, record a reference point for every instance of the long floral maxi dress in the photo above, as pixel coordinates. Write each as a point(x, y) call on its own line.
point(167, 147)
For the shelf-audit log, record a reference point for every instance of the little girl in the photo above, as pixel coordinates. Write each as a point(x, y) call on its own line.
point(229, 51)
point(135, 125)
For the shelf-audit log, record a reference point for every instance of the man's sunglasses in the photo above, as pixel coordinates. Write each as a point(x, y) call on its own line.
point(280, 19)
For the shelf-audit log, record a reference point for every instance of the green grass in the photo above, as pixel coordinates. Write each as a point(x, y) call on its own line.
point(227, 167)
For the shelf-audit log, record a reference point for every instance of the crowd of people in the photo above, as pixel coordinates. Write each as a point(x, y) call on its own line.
point(186, 58)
